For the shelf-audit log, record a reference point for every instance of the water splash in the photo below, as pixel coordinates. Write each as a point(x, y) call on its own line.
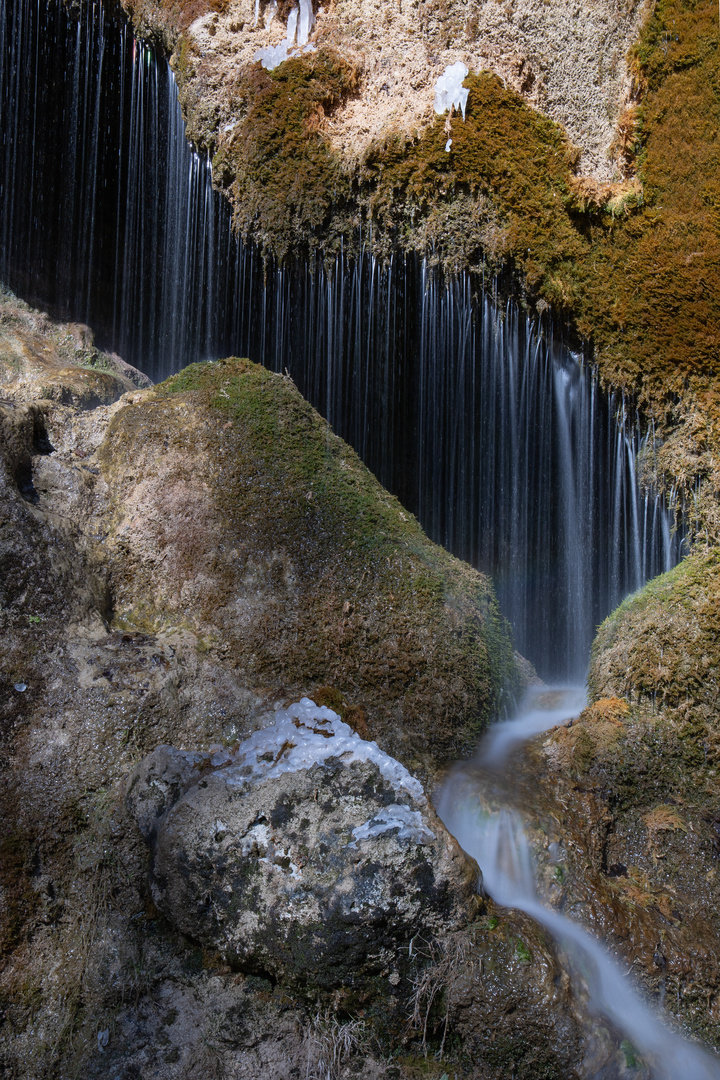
point(498, 842)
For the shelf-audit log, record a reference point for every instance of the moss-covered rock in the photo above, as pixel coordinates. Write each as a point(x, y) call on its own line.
point(235, 513)
point(662, 646)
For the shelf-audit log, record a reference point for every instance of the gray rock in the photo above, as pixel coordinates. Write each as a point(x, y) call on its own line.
point(157, 783)
point(319, 874)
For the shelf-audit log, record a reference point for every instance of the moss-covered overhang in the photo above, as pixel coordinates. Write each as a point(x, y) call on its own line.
point(636, 264)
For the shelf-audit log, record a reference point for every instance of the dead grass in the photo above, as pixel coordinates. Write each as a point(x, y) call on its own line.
point(432, 998)
point(330, 1044)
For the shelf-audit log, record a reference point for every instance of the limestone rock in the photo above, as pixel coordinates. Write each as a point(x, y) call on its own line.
point(567, 61)
point(316, 862)
point(157, 783)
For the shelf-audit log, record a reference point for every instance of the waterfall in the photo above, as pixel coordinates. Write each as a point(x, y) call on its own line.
point(108, 215)
point(478, 417)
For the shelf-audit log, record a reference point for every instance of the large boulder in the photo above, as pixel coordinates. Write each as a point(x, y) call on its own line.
point(305, 853)
point(233, 512)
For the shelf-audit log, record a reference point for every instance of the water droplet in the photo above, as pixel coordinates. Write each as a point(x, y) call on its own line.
point(20, 687)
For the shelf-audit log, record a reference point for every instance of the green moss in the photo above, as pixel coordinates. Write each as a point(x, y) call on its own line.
point(664, 642)
point(287, 181)
point(509, 166)
point(629, 1053)
point(282, 440)
point(522, 952)
point(661, 649)
point(652, 298)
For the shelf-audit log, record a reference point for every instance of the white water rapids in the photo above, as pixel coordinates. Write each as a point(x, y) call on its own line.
point(498, 842)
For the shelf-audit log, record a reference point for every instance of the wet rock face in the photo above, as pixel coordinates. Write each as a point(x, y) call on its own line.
point(312, 874)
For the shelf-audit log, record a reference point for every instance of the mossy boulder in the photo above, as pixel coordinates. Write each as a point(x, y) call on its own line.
point(662, 646)
point(234, 512)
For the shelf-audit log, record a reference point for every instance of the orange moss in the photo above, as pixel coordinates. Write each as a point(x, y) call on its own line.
point(651, 294)
point(287, 184)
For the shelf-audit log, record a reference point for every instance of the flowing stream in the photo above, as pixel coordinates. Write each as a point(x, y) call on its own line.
point(496, 839)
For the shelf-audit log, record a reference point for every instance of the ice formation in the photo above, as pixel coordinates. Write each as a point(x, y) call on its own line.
point(409, 824)
point(306, 22)
point(449, 89)
point(300, 22)
point(304, 735)
point(292, 28)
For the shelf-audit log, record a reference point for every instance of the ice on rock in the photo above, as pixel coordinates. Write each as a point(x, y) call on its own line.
point(300, 22)
point(449, 89)
point(306, 734)
point(409, 824)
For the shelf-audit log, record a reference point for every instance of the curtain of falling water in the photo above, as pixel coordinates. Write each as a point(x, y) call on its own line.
point(492, 432)
point(482, 422)
point(107, 214)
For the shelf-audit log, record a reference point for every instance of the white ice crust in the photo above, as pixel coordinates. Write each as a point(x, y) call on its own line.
point(304, 735)
point(409, 824)
point(449, 89)
point(300, 23)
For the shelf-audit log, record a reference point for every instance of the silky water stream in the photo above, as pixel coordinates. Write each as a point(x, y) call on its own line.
point(480, 804)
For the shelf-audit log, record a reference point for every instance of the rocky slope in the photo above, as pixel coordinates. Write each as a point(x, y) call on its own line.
point(113, 645)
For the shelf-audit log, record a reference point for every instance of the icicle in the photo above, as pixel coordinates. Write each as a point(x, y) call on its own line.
point(291, 27)
point(307, 21)
point(449, 89)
